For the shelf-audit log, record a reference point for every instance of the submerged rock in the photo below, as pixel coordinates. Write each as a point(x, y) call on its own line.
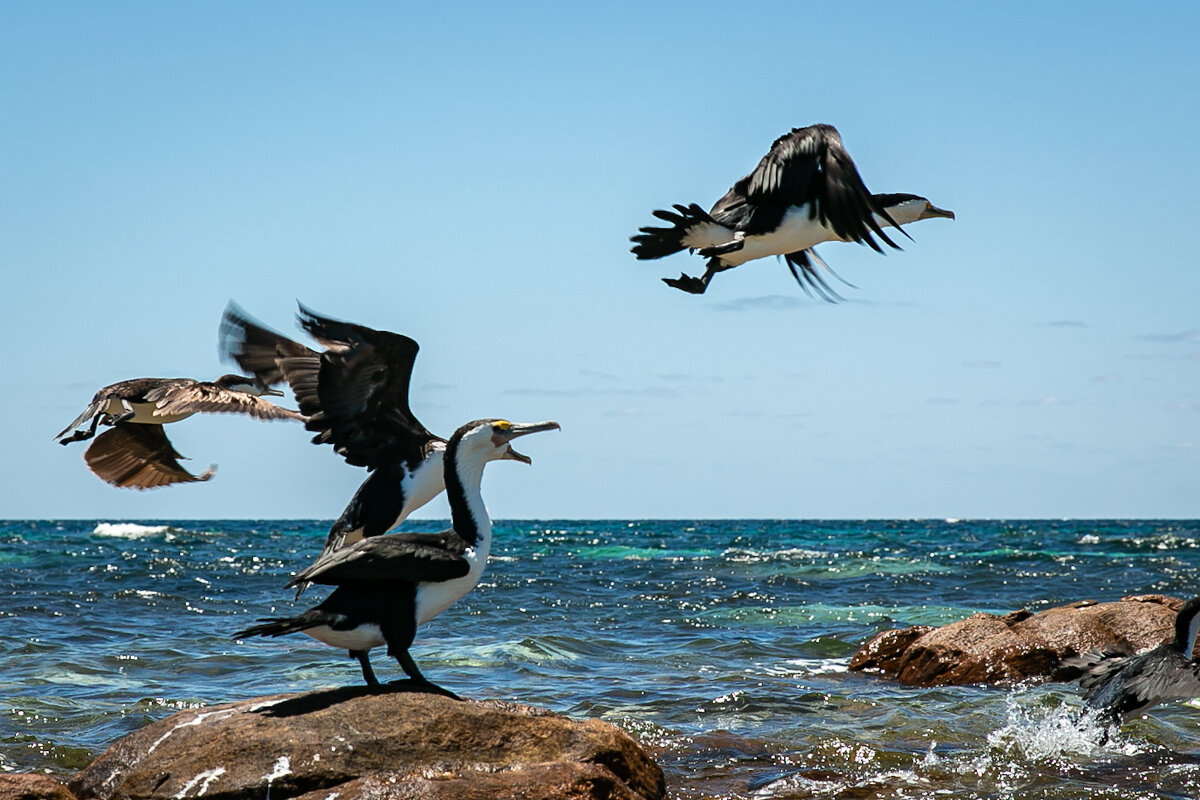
point(350, 743)
point(985, 648)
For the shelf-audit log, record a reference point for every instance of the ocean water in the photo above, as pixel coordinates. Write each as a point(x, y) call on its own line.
point(723, 646)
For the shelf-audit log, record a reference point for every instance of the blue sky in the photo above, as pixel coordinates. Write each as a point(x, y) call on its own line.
point(470, 175)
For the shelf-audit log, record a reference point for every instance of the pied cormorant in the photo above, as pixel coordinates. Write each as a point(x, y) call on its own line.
point(388, 585)
point(1121, 686)
point(136, 452)
point(354, 394)
point(805, 191)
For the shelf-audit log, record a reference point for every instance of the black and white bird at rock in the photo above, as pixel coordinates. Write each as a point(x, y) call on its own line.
point(355, 396)
point(803, 192)
point(388, 585)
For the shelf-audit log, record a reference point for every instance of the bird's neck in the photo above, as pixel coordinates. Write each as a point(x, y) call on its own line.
point(1187, 627)
point(468, 515)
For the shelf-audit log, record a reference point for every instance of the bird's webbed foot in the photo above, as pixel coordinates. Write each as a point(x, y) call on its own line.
point(686, 283)
point(423, 684)
point(77, 436)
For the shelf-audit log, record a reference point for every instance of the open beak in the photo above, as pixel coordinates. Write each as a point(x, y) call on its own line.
point(934, 211)
point(524, 429)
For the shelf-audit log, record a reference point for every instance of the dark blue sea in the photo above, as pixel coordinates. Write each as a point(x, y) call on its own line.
point(723, 646)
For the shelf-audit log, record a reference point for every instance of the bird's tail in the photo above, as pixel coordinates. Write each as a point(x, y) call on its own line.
point(276, 626)
point(653, 243)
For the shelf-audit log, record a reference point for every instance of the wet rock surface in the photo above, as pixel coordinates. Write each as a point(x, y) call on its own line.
point(986, 648)
point(357, 743)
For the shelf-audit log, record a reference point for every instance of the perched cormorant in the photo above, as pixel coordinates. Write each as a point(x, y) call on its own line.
point(1122, 686)
point(805, 191)
point(388, 585)
point(136, 453)
point(354, 395)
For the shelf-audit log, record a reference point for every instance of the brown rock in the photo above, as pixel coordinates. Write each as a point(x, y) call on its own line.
point(1019, 646)
point(32, 787)
point(354, 743)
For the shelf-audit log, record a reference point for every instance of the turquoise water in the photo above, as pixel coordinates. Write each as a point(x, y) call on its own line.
point(722, 645)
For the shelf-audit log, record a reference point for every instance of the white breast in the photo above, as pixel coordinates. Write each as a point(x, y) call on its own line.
point(795, 232)
point(434, 598)
point(364, 637)
point(419, 488)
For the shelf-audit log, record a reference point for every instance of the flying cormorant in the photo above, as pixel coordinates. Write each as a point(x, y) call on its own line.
point(136, 452)
point(805, 191)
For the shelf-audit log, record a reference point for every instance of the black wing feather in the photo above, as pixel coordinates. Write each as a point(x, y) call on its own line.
point(256, 348)
point(807, 165)
point(406, 557)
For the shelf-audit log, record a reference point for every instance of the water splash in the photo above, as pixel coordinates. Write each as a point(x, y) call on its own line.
point(1058, 733)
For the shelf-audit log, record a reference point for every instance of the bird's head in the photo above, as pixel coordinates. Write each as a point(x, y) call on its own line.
point(489, 439)
point(240, 383)
point(906, 208)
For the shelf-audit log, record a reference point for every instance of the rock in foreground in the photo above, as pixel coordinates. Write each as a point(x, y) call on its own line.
point(354, 743)
point(986, 648)
point(32, 787)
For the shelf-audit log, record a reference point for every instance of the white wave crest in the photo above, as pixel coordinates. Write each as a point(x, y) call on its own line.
point(129, 530)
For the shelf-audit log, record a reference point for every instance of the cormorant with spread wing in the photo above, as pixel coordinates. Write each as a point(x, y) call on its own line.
point(1122, 686)
point(388, 585)
point(354, 394)
point(805, 191)
point(136, 452)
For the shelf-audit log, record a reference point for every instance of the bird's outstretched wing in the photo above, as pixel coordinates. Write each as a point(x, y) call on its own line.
point(807, 165)
point(185, 396)
point(256, 348)
point(138, 456)
point(1172, 677)
point(1097, 666)
point(409, 557)
point(357, 397)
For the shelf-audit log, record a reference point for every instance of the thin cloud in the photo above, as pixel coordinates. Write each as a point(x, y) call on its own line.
point(943, 401)
point(1190, 335)
point(981, 363)
point(682, 376)
point(1110, 378)
point(1067, 323)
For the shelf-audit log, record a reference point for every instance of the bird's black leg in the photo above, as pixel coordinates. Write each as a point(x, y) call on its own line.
point(365, 662)
point(415, 677)
point(79, 436)
point(117, 420)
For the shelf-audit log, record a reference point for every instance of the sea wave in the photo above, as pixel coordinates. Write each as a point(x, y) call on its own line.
point(129, 530)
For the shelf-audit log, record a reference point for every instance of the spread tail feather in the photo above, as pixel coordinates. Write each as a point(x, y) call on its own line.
point(279, 626)
point(651, 243)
